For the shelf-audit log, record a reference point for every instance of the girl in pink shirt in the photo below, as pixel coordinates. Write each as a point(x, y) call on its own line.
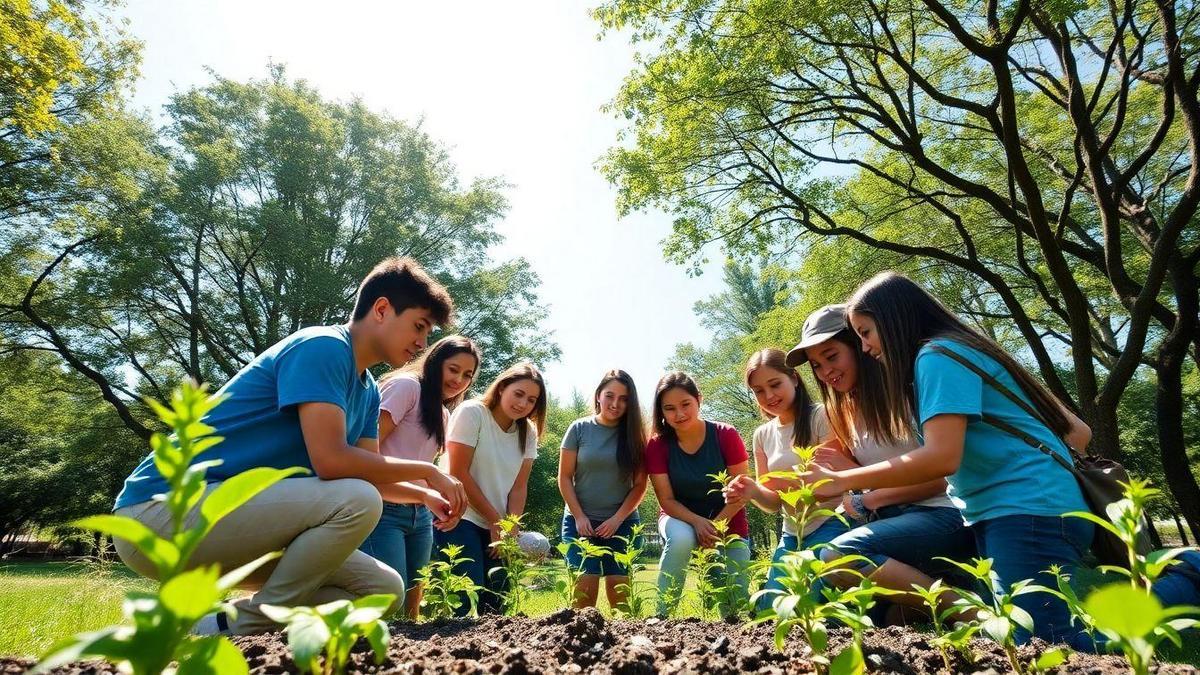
point(414, 407)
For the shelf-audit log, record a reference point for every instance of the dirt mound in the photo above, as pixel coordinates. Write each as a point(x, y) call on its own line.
point(586, 642)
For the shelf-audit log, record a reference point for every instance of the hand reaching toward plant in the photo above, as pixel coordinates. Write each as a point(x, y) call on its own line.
point(832, 488)
point(444, 519)
point(450, 488)
point(832, 458)
point(741, 489)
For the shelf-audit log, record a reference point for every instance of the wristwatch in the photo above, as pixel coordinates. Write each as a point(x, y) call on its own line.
point(860, 506)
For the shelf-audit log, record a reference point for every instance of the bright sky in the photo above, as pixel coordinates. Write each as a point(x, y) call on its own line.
point(515, 88)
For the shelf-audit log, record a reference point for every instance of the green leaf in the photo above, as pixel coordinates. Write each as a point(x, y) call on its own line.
point(377, 636)
point(1124, 610)
point(307, 637)
point(1051, 658)
point(998, 628)
point(111, 642)
point(1088, 515)
point(213, 655)
point(236, 576)
point(280, 614)
point(239, 489)
point(848, 662)
point(192, 594)
point(157, 550)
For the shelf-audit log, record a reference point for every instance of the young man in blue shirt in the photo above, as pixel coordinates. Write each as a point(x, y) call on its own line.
point(310, 401)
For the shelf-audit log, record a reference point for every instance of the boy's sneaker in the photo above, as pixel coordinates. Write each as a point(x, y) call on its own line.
point(216, 623)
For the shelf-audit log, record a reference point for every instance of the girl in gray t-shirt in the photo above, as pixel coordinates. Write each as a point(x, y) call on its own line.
point(602, 479)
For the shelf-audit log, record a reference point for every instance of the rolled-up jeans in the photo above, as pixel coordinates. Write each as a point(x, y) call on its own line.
point(317, 523)
point(403, 539)
point(679, 540)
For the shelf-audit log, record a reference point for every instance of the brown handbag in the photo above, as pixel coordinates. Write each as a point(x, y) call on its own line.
point(1099, 478)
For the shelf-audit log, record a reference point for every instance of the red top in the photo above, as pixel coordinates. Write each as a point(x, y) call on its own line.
point(688, 473)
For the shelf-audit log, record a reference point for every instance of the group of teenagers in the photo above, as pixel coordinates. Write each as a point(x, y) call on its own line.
point(915, 440)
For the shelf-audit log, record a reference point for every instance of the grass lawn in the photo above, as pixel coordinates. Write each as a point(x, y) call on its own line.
point(41, 603)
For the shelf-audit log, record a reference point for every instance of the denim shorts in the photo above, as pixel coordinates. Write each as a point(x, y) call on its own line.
point(605, 565)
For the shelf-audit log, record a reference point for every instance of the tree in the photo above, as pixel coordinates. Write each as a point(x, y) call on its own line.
point(1042, 152)
point(544, 505)
point(270, 206)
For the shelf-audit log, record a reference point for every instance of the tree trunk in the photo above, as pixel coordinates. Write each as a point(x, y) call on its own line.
point(1168, 399)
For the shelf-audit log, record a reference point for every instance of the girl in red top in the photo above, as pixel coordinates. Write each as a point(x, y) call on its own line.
point(680, 458)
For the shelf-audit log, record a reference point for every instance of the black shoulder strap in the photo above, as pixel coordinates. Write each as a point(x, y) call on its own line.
point(1029, 439)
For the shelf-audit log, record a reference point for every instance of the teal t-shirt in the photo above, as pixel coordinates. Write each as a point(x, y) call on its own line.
point(259, 418)
point(1000, 474)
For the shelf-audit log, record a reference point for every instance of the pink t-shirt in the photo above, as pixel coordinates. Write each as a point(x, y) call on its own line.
point(400, 397)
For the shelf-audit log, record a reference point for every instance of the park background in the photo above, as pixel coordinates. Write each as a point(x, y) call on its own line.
point(182, 184)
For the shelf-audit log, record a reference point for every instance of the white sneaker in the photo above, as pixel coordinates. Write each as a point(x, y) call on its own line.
point(216, 623)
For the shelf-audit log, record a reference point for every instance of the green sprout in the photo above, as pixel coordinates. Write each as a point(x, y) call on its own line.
point(332, 629)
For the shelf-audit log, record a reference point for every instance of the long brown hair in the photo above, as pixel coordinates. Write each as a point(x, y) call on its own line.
point(427, 369)
point(673, 380)
point(536, 419)
point(843, 409)
point(802, 402)
point(631, 440)
point(906, 318)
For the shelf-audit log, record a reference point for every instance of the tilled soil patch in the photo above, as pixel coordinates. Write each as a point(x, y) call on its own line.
point(586, 642)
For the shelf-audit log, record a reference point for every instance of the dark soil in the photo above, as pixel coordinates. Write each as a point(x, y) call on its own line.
point(579, 642)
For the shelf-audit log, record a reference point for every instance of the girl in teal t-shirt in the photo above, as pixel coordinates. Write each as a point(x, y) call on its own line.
point(1011, 494)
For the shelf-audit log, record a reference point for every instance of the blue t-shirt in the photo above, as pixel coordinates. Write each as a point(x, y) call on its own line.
point(259, 418)
point(1000, 474)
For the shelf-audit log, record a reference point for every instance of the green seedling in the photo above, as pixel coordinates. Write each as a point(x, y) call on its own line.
point(635, 600)
point(1135, 622)
point(320, 638)
point(1001, 618)
point(946, 637)
point(1050, 659)
point(1125, 518)
point(514, 566)
point(1128, 617)
point(444, 589)
point(567, 582)
point(157, 625)
point(670, 596)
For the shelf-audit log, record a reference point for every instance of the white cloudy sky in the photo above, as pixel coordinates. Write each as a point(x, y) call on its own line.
point(515, 88)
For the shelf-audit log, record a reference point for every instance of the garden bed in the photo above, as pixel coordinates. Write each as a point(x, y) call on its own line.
point(586, 642)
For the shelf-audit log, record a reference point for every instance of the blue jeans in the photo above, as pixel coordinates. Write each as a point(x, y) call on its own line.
point(912, 534)
point(679, 540)
point(1024, 547)
point(788, 543)
point(402, 540)
point(475, 541)
point(606, 565)
point(1180, 583)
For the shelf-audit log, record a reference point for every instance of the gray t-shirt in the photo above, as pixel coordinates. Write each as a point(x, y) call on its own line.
point(598, 482)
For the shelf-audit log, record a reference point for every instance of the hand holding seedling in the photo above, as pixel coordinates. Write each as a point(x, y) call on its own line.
point(706, 532)
point(444, 517)
point(742, 489)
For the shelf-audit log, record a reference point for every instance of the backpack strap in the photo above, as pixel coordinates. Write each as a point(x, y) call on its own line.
point(1028, 438)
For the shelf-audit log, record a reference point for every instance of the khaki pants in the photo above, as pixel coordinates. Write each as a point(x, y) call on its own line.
point(320, 523)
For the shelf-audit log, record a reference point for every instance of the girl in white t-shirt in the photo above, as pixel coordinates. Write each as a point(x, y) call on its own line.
point(793, 420)
point(490, 447)
point(414, 404)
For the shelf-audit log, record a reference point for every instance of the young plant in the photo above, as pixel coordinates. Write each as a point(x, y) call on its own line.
point(1000, 618)
point(1135, 622)
point(946, 637)
point(801, 603)
point(157, 625)
point(567, 581)
point(444, 589)
point(1125, 518)
point(1128, 617)
point(635, 602)
point(514, 565)
point(670, 597)
point(331, 630)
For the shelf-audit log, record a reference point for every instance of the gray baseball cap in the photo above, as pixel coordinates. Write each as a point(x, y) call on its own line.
point(818, 327)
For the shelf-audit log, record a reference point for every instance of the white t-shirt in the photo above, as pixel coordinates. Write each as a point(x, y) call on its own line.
point(498, 456)
point(775, 441)
point(868, 450)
